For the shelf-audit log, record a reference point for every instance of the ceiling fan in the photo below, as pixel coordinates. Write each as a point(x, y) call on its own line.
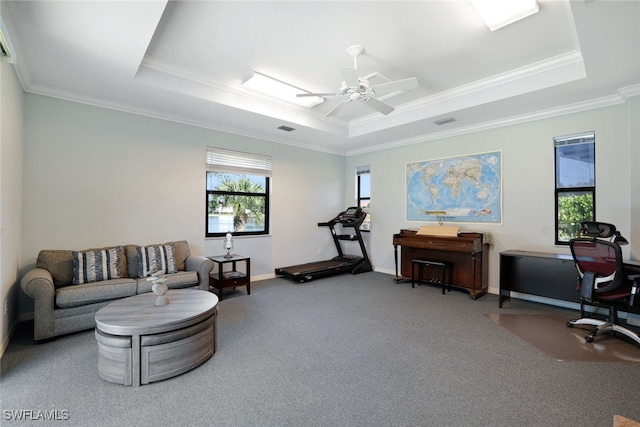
point(355, 88)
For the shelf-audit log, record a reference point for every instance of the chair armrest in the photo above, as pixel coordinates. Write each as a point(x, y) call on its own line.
point(38, 284)
point(203, 266)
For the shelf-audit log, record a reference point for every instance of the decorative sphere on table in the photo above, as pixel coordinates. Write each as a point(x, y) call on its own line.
point(159, 288)
point(162, 300)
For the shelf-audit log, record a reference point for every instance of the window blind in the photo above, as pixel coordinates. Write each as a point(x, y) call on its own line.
point(362, 170)
point(582, 138)
point(229, 161)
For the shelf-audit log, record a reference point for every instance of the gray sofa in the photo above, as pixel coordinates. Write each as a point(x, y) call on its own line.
point(61, 307)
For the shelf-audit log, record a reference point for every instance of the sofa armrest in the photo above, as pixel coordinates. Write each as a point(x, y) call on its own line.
point(38, 284)
point(203, 266)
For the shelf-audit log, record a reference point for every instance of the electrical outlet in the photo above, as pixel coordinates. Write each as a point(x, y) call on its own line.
point(319, 251)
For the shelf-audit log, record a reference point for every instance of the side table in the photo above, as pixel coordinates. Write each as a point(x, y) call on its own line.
point(221, 279)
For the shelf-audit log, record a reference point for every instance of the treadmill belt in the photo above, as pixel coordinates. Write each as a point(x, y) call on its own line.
point(313, 267)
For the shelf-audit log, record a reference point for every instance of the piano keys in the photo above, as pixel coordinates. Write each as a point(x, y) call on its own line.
point(467, 253)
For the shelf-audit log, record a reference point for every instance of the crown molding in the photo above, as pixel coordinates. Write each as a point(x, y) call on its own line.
point(530, 78)
point(155, 114)
point(619, 98)
point(629, 91)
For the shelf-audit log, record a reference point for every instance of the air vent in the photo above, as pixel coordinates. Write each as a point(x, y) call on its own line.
point(444, 121)
point(286, 128)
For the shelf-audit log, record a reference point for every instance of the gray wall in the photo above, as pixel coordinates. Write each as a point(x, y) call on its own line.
point(633, 112)
point(11, 121)
point(96, 177)
point(79, 176)
point(528, 181)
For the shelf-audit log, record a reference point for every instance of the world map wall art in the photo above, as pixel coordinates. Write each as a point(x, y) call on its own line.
point(456, 189)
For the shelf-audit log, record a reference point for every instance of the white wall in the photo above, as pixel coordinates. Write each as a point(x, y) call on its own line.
point(95, 177)
point(11, 124)
point(528, 182)
point(633, 114)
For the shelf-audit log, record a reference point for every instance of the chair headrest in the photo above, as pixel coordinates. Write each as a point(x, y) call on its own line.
point(597, 229)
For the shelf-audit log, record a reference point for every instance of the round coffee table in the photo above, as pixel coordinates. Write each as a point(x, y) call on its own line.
point(140, 342)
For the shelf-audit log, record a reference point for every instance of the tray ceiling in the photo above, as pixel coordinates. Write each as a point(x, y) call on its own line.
point(185, 61)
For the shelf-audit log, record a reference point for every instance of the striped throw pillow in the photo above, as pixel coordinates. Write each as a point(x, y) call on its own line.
point(157, 258)
point(96, 265)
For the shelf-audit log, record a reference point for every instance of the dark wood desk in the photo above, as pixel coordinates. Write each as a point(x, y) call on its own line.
point(543, 274)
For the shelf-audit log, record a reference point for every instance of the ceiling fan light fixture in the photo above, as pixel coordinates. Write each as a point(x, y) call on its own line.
point(356, 88)
point(500, 13)
point(279, 89)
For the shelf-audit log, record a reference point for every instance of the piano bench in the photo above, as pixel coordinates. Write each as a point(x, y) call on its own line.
point(444, 266)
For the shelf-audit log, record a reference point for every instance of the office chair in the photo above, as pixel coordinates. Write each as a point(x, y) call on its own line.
point(601, 279)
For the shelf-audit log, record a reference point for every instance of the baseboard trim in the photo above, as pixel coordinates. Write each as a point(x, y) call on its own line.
point(7, 339)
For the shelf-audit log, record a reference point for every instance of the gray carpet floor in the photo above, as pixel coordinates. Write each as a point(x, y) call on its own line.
point(341, 351)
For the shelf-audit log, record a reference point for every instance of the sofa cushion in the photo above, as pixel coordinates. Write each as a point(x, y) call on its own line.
point(88, 293)
point(96, 266)
point(59, 262)
point(159, 258)
point(181, 279)
point(133, 260)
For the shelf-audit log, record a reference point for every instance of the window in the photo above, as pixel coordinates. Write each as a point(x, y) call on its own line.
point(575, 184)
point(363, 184)
point(237, 195)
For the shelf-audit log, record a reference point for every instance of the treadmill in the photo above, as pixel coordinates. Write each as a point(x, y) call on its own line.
point(351, 218)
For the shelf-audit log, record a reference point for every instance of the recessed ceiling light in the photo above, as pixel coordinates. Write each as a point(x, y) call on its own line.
point(279, 89)
point(499, 13)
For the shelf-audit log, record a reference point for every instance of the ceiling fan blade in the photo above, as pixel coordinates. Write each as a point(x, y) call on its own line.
point(398, 85)
point(379, 106)
point(350, 76)
point(300, 95)
point(335, 108)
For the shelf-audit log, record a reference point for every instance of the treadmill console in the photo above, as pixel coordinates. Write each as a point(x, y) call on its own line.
point(350, 216)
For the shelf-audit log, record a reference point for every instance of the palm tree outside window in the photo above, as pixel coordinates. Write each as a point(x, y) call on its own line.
point(237, 193)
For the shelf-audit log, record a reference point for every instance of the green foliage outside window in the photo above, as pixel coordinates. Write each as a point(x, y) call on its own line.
point(241, 196)
point(573, 208)
point(575, 178)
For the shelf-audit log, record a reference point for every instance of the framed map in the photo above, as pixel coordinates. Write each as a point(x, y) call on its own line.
point(457, 189)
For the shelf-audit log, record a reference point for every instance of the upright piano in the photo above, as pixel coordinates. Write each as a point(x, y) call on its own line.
point(467, 253)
